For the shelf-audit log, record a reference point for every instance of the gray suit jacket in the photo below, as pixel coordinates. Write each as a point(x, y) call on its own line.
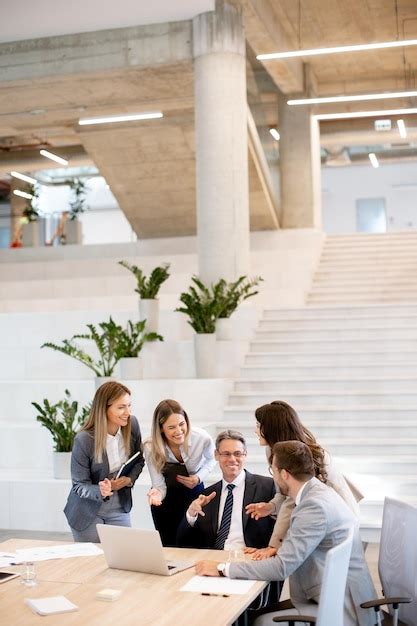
point(320, 521)
point(84, 499)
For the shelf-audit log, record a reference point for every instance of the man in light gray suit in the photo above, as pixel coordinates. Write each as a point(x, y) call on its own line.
point(320, 521)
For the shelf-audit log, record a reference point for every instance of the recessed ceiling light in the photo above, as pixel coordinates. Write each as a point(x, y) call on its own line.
point(120, 118)
point(337, 49)
point(353, 114)
point(358, 98)
point(22, 194)
point(373, 159)
point(27, 179)
point(53, 157)
point(274, 132)
point(402, 129)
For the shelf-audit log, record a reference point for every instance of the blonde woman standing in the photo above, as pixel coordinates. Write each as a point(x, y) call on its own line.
point(179, 459)
point(109, 437)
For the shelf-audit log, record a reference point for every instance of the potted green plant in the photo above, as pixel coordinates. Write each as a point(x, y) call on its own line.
point(131, 341)
point(63, 420)
point(228, 296)
point(31, 229)
point(200, 307)
point(148, 289)
point(107, 343)
point(72, 225)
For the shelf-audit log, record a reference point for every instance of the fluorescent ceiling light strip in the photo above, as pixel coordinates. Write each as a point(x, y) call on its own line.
point(402, 129)
point(27, 179)
point(373, 159)
point(337, 49)
point(120, 118)
point(359, 98)
point(353, 114)
point(274, 132)
point(53, 157)
point(22, 194)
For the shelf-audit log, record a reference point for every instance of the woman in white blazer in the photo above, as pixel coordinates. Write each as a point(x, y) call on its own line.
point(179, 459)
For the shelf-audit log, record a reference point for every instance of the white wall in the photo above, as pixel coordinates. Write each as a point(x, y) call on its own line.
point(341, 186)
point(104, 222)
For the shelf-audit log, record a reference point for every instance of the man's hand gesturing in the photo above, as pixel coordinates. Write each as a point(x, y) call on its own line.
point(196, 507)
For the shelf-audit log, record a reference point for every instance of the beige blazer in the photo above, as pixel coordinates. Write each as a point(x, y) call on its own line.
point(284, 505)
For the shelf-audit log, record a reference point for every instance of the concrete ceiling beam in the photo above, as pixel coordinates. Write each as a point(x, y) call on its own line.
point(265, 32)
point(121, 48)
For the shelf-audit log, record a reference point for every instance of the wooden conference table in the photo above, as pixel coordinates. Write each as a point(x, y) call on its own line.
point(146, 599)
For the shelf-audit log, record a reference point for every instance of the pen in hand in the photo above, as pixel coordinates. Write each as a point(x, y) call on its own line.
point(219, 595)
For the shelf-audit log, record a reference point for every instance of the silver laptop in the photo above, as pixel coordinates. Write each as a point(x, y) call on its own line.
point(137, 550)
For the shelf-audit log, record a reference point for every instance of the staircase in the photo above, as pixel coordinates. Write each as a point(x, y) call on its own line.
point(364, 269)
point(347, 362)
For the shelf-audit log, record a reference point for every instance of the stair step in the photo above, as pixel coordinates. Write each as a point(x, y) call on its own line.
point(340, 334)
point(353, 397)
point(350, 346)
point(342, 310)
point(340, 323)
point(341, 384)
point(233, 412)
point(323, 371)
point(346, 358)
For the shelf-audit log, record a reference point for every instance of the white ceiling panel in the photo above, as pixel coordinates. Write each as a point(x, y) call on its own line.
point(45, 18)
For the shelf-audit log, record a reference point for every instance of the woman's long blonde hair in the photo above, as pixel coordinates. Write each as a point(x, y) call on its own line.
point(157, 442)
point(96, 423)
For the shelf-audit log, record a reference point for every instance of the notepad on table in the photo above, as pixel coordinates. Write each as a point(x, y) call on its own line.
point(51, 605)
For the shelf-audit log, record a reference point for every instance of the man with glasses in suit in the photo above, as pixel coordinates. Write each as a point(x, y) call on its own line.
point(217, 518)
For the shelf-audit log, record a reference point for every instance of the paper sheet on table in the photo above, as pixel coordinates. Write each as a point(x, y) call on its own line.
point(207, 584)
point(45, 553)
point(7, 558)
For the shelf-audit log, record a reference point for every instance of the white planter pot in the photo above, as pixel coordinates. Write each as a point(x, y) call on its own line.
point(100, 380)
point(224, 328)
point(62, 464)
point(131, 368)
point(205, 355)
point(73, 231)
point(149, 311)
point(33, 233)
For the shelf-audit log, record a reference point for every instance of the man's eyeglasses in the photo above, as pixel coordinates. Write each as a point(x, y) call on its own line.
point(226, 455)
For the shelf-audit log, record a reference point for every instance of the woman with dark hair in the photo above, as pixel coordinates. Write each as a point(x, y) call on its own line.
point(109, 437)
point(275, 422)
point(179, 459)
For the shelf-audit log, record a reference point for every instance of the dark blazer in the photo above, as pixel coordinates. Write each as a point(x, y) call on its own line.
point(84, 499)
point(256, 533)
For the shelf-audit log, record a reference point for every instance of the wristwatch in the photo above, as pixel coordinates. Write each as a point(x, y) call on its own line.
point(220, 568)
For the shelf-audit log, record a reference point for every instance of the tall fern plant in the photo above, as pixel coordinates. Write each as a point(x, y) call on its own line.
point(107, 343)
point(148, 287)
point(200, 307)
point(228, 296)
point(62, 419)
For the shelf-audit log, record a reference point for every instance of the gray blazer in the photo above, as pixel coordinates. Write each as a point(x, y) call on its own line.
point(84, 499)
point(320, 521)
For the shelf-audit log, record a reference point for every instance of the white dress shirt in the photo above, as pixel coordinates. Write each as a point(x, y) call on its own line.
point(116, 453)
point(198, 459)
point(235, 539)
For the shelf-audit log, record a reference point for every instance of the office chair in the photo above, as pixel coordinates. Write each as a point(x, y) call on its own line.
point(332, 595)
point(397, 566)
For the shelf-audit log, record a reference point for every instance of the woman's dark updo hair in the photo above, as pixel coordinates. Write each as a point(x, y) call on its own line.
point(278, 421)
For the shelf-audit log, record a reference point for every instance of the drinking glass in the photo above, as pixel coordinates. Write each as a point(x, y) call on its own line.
point(28, 574)
point(235, 555)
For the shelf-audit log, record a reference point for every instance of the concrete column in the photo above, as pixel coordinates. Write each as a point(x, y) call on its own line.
point(299, 153)
point(221, 143)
